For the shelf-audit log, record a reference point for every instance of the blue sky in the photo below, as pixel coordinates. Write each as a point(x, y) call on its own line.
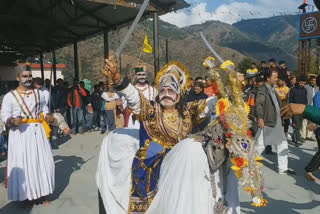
point(231, 11)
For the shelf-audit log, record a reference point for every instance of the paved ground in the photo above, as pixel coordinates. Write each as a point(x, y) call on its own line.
point(76, 192)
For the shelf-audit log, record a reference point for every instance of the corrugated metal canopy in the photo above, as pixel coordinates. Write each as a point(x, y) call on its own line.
point(32, 26)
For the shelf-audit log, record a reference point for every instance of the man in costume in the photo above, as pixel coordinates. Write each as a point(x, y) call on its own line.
point(168, 172)
point(147, 90)
point(30, 161)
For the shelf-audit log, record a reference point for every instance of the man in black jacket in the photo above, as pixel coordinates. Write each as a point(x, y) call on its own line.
point(284, 73)
point(298, 94)
point(96, 106)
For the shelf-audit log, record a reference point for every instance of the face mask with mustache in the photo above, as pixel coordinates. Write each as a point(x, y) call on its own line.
point(167, 97)
point(26, 82)
point(167, 101)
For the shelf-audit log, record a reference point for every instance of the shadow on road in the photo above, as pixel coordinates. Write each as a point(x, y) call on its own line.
point(65, 166)
point(279, 206)
point(2, 174)
point(15, 207)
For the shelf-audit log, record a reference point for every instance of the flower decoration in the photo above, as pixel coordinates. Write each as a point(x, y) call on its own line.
point(238, 163)
point(259, 202)
point(222, 106)
point(238, 174)
point(226, 64)
point(257, 159)
point(246, 108)
point(248, 189)
point(228, 135)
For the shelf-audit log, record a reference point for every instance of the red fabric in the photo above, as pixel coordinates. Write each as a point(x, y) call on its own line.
point(250, 101)
point(77, 101)
point(126, 115)
point(6, 177)
point(211, 90)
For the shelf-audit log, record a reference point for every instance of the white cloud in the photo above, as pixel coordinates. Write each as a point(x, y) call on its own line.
point(232, 12)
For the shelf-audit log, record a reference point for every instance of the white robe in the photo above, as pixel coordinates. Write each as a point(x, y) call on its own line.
point(184, 186)
point(30, 161)
point(149, 93)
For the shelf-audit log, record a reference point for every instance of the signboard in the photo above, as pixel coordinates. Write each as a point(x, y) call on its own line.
point(309, 25)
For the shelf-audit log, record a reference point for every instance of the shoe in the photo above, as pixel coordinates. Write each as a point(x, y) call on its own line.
point(311, 139)
point(289, 137)
point(103, 132)
point(303, 140)
point(288, 172)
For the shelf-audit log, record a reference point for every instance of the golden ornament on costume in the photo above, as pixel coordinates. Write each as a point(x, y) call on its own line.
point(245, 161)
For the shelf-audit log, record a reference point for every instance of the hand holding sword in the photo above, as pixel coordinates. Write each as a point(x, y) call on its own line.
point(111, 70)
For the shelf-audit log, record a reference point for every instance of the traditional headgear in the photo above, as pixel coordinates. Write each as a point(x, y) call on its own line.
point(139, 69)
point(282, 62)
point(175, 76)
point(22, 67)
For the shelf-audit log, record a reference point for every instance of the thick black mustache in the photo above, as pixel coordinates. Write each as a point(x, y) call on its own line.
point(28, 81)
point(165, 97)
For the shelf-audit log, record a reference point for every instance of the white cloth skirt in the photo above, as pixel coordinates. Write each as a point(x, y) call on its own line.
point(184, 186)
point(30, 163)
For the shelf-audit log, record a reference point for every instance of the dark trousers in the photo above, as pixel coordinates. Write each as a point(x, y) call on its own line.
point(109, 120)
point(297, 124)
point(286, 124)
point(96, 118)
point(77, 120)
point(314, 164)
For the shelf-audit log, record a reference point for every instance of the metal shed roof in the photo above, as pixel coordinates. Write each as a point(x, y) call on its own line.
point(31, 26)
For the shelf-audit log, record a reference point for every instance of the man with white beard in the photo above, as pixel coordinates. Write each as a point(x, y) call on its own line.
point(30, 163)
point(147, 90)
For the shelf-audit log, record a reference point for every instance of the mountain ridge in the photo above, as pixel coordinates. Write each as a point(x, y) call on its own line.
point(276, 38)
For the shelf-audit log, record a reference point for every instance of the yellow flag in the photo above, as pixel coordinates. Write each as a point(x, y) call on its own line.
point(146, 47)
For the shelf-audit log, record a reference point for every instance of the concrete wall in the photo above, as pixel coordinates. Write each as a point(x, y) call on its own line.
point(7, 73)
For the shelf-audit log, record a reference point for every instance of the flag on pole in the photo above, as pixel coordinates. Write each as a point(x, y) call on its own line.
point(146, 47)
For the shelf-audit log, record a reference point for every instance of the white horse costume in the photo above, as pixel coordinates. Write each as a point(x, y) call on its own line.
point(184, 186)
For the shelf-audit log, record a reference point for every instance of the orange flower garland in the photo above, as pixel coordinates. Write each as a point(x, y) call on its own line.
point(222, 106)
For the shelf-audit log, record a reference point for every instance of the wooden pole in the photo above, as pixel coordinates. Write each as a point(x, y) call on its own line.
point(54, 67)
point(167, 51)
point(106, 44)
point(41, 66)
point(156, 43)
point(76, 61)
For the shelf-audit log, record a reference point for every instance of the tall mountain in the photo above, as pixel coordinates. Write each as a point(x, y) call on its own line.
point(278, 31)
point(259, 39)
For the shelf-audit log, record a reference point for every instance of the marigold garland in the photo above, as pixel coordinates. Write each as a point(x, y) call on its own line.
point(239, 163)
point(226, 64)
point(222, 106)
point(263, 203)
point(246, 108)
